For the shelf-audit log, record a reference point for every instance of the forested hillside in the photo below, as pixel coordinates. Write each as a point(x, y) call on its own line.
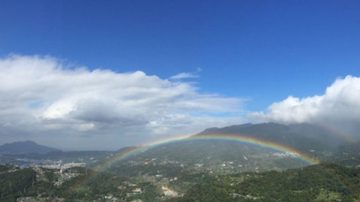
point(324, 182)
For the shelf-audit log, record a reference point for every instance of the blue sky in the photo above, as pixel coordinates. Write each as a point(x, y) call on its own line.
point(260, 50)
point(276, 55)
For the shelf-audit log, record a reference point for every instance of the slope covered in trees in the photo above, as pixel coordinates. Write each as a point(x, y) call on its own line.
point(324, 182)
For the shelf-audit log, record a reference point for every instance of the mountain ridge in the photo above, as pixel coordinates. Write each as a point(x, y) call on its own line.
point(305, 137)
point(25, 147)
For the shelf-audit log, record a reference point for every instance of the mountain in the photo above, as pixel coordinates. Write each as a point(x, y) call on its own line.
point(304, 137)
point(348, 154)
point(219, 155)
point(25, 147)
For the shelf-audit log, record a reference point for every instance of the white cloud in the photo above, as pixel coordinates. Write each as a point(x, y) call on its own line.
point(45, 99)
point(339, 106)
point(184, 75)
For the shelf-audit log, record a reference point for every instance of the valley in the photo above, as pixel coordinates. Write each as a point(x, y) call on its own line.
point(199, 168)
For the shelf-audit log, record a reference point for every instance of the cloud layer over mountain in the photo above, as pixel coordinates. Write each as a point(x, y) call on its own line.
point(46, 99)
point(69, 106)
point(338, 107)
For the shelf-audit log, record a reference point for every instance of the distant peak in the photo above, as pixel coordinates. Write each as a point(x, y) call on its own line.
point(26, 146)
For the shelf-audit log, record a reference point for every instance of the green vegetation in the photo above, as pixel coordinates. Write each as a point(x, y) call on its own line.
point(15, 183)
point(324, 182)
point(314, 183)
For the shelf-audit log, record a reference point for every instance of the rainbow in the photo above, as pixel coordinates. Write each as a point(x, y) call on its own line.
point(133, 151)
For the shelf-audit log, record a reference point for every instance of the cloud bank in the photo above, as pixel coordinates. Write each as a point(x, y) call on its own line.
point(55, 103)
point(338, 107)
